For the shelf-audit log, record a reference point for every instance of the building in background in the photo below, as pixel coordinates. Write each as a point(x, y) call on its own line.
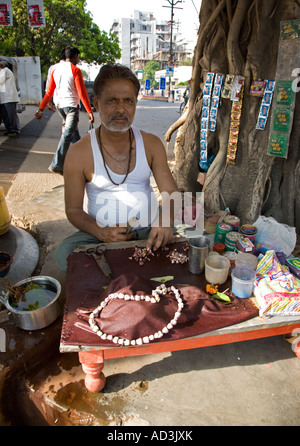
point(143, 38)
point(180, 75)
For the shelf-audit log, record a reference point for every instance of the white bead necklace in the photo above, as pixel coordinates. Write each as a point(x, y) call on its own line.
point(155, 298)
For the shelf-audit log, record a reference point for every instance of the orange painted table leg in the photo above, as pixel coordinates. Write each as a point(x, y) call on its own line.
point(92, 364)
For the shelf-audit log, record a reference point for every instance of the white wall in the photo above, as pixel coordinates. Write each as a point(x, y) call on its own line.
point(30, 79)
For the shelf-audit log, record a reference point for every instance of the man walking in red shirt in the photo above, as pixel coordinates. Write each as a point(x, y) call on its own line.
point(67, 82)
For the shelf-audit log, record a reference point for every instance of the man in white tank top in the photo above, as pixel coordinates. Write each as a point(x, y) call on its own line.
point(112, 165)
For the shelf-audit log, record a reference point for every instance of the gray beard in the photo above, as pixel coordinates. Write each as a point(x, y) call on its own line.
point(112, 128)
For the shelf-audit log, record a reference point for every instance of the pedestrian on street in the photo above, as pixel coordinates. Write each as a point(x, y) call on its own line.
point(187, 93)
point(51, 68)
point(112, 165)
point(8, 100)
point(68, 82)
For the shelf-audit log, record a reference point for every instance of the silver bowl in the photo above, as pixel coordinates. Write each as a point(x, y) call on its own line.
point(42, 317)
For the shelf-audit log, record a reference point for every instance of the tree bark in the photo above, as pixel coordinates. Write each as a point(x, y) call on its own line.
point(239, 37)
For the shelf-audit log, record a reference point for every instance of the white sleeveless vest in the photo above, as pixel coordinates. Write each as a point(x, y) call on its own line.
point(109, 204)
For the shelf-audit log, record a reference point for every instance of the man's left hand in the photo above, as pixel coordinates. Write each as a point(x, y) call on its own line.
point(159, 237)
point(91, 118)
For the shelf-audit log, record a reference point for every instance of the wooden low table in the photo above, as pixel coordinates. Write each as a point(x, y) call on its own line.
point(92, 356)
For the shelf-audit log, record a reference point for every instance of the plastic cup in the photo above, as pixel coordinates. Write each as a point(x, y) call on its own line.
point(242, 281)
point(216, 269)
point(246, 259)
point(198, 251)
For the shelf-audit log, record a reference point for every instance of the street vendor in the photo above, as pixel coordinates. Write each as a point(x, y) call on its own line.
point(112, 166)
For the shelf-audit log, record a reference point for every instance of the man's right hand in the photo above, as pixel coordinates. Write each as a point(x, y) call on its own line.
point(38, 115)
point(114, 234)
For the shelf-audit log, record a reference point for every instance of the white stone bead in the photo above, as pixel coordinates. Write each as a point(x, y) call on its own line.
point(169, 326)
point(115, 339)
point(165, 330)
point(139, 341)
point(133, 342)
point(146, 339)
point(109, 337)
point(127, 342)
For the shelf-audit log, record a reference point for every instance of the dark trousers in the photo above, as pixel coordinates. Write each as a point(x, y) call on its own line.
point(10, 117)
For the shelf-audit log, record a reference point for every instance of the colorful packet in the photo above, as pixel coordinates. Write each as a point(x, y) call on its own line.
point(205, 115)
point(265, 105)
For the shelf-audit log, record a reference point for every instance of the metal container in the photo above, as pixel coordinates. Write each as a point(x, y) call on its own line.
point(6, 260)
point(198, 251)
point(221, 230)
point(42, 317)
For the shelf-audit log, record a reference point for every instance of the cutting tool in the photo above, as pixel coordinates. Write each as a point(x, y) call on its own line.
point(98, 254)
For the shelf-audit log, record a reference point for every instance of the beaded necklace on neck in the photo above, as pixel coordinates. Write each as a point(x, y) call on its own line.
point(129, 159)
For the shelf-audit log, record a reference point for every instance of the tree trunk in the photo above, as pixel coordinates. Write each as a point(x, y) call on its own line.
point(239, 37)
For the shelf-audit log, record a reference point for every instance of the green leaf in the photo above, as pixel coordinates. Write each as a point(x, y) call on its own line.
point(32, 307)
point(221, 296)
point(162, 279)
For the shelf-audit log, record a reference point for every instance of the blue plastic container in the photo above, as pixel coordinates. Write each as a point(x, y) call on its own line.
point(242, 281)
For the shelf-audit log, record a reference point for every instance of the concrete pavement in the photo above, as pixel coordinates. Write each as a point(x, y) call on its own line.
point(247, 383)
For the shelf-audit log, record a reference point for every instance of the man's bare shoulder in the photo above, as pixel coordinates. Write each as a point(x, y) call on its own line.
point(81, 147)
point(79, 154)
point(151, 140)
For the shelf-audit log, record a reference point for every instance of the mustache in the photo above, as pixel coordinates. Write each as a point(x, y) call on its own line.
point(119, 115)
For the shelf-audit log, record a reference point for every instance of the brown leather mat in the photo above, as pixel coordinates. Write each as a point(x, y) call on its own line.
point(86, 287)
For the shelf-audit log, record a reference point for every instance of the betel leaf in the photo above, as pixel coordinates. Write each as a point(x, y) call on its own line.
point(162, 279)
point(32, 307)
point(221, 296)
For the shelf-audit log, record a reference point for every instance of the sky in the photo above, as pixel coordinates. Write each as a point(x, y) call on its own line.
point(105, 11)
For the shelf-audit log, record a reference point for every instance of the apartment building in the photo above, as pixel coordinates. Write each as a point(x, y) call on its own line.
point(143, 38)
